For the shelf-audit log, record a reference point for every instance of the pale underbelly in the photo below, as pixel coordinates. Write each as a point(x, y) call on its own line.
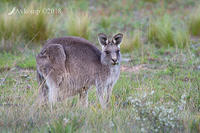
point(72, 86)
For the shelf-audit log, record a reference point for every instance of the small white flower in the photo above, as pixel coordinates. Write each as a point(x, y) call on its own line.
point(111, 124)
point(142, 130)
point(132, 101)
point(130, 98)
point(65, 120)
point(152, 92)
point(144, 95)
point(137, 118)
point(183, 96)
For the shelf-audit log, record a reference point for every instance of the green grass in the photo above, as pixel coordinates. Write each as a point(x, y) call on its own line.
point(150, 0)
point(28, 62)
point(194, 23)
point(105, 23)
point(164, 32)
point(78, 24)
point(132, 42)
point(35, 27)
point(161, 31)
point(158, 92)
point(29, 27)
point(10, 60)
point(166, 87)
point(9, 27)
point(7, 60)
point(182, 38)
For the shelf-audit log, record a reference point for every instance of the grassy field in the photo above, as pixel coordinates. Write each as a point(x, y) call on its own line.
point(159, 86)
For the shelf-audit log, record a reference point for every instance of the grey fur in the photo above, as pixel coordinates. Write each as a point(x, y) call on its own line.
point(69, 66)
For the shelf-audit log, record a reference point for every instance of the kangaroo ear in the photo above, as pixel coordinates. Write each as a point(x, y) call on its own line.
point(43, 53)
point(103, 39)
point(117, 39)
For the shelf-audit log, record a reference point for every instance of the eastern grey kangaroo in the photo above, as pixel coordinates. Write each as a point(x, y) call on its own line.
point(69, 66)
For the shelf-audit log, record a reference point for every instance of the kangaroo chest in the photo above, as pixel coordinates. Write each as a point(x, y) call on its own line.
point(113, 75)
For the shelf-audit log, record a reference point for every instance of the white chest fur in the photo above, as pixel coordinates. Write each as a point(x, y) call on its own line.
point(114, 75)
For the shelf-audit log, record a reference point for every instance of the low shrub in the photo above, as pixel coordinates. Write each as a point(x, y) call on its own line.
point(156, 117)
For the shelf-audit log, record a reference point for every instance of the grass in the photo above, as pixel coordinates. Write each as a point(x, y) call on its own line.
point(150, 0)
point(194, 23)
point(9, 60)
point(29, 27)
point(151, 99)
point(164, 32)
point(28, 62)
point(35, 27)
point(158, 88)
point(105, 24)
point(161, 31)
point(131, 43)
point(182, 38)
point(79, 24)
point(9, 27)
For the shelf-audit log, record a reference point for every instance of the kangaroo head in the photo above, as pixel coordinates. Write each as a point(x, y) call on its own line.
point(110, 49)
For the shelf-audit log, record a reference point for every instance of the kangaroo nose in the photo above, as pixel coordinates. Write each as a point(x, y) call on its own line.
point(114, 60)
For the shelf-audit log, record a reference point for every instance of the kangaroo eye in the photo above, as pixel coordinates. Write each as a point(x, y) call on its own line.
point(107, 52)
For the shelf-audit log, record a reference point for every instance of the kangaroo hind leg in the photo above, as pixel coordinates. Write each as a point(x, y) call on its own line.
point(84, 97)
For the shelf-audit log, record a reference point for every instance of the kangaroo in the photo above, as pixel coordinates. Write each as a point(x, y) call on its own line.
point(68, 66)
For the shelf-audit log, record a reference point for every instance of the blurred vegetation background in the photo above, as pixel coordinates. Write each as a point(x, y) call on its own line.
point(164, 23)
point(161, 58)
